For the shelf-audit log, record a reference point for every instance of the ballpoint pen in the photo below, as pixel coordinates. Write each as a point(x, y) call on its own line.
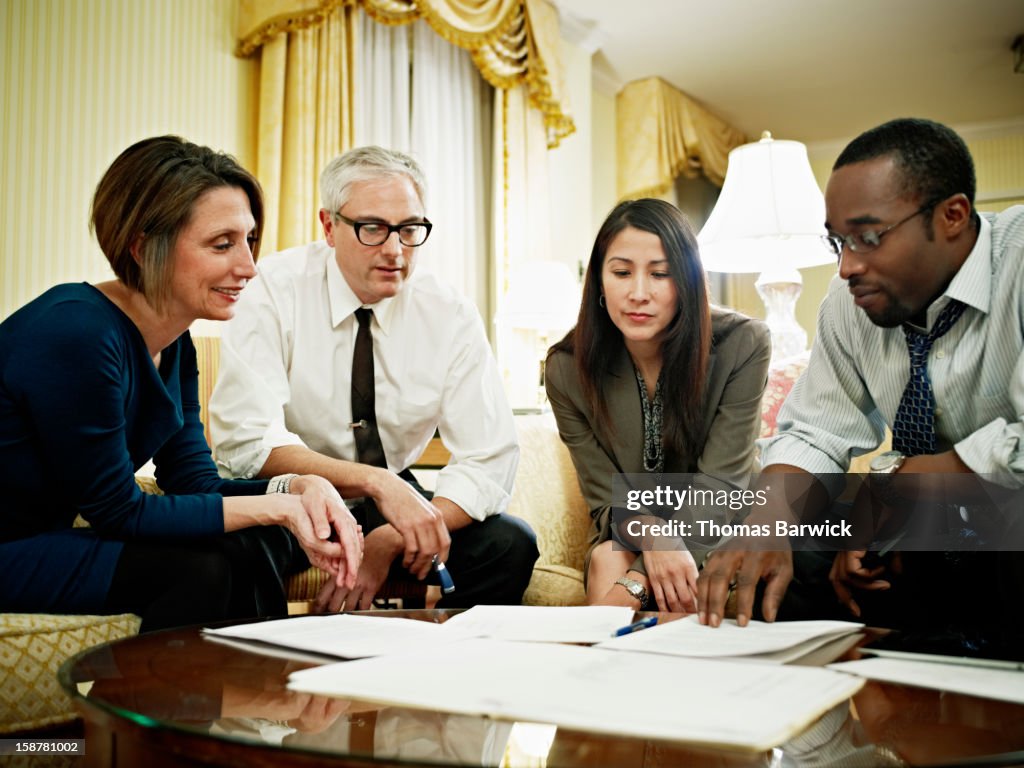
point(636, 626)
point(447, 585)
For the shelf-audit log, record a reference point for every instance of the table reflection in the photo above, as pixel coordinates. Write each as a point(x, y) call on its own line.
point(180, 680)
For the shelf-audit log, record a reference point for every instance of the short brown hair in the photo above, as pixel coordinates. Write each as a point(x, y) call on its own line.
point(146, 197)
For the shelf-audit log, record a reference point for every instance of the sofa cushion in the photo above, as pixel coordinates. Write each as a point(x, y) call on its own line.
point(32, 648)
point(547, 496)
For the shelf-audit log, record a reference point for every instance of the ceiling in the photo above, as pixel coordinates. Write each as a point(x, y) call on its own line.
point(814, 70)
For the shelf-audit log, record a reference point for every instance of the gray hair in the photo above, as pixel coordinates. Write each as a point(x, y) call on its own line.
point(366, 164)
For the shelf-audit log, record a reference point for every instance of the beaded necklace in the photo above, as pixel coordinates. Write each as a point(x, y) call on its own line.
point(654, 450)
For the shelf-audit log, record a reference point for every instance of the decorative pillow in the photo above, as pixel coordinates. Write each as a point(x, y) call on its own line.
point(781, 378)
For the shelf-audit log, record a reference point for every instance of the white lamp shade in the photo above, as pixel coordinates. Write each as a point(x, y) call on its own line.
point(770, 213)
point(542, 296)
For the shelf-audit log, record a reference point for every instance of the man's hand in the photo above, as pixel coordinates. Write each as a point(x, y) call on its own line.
point(382, 547)
point(673, 579)
point(418, 521)
point(849, 572)
point(790, 494)
point(732, 565)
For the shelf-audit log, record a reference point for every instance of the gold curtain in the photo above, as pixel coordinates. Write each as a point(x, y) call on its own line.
point(305, 114)
point(511, 41)
point(663, 133)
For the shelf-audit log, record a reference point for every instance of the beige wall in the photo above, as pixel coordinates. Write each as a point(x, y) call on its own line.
point(998, 152)
point(82, 80)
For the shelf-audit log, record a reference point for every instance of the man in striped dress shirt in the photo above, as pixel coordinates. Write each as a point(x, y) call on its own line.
point(918, 267)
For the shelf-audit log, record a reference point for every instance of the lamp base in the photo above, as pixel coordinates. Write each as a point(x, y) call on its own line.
point(779, 292)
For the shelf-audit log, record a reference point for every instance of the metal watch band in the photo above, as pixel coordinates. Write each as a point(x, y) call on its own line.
point(635, 588)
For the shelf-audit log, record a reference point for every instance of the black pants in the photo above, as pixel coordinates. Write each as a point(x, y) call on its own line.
point(490, 561)
point(936, 590)
point(239, 575)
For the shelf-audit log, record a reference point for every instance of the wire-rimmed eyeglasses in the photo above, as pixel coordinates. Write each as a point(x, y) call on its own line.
point(411, 234)
point(868, 239)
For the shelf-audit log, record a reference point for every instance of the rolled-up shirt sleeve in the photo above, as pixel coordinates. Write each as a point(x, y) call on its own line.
point(996, 450)
point(476, 425)
point(829, 416)
point(247, 407)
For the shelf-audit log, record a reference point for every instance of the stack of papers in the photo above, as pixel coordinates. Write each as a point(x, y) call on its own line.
point(344, 635)
point(780, 643)
point(531, 623)
point(351, 636)
point(746, 706)
point(974, 681)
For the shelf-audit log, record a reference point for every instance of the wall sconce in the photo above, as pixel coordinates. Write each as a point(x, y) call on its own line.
point(769, 218)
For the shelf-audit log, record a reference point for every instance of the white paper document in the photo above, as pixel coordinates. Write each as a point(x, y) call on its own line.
point(778, 642)
point(1002, 684)
point(576, 624)
point(745, 706)
point(344, 635)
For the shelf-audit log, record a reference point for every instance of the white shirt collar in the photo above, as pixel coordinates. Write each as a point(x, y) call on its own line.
point(972, 284)
point(344, 302)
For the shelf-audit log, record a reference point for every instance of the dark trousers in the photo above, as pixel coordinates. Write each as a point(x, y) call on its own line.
point(236, 576)
point(490, 561)
point(934, 590)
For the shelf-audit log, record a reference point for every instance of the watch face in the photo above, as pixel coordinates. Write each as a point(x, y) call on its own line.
point(887, 462)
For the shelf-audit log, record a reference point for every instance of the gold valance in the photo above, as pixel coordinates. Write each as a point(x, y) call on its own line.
point(511, 41)
point(662, 134)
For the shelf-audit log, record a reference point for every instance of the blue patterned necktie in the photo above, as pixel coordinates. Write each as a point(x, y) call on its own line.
point(913, 430)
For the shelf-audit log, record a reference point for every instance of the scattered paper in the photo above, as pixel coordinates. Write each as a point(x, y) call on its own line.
point(779, 642)
point(346, 636)
point(577, 624)
point(1001, 684)
point(745, 706)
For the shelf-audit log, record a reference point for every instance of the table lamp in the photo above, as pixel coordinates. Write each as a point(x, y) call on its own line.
point(769, 218)
point(543, 300)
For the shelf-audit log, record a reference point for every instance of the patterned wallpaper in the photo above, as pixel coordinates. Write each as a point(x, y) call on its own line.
point(80, 80)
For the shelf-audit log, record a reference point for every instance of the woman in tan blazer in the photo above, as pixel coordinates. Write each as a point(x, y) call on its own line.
point(653, 380)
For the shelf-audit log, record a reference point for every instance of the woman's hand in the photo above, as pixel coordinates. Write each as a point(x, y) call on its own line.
point(321, 520)
point(673, 578)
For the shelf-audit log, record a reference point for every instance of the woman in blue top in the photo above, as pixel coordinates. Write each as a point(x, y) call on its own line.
point(96, 380)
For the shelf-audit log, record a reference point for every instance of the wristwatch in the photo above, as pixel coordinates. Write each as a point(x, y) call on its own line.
point(887, 463)
point(635, 588)
point(883, 467)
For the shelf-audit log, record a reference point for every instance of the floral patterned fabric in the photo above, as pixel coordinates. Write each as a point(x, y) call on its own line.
point(782, 375)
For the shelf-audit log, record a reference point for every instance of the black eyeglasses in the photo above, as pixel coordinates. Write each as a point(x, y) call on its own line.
point(412, 234)
point(868, 239)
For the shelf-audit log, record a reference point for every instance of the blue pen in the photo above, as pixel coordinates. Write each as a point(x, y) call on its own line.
point(636, 626)
point(447, 585)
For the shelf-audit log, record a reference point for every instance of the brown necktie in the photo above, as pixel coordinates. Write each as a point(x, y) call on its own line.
point(364, 416)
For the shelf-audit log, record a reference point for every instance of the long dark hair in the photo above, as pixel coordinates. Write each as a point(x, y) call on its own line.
point(595, 341)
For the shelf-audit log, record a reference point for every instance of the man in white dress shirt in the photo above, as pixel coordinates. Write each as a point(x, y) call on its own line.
point(928, 308)
point(283, 402)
